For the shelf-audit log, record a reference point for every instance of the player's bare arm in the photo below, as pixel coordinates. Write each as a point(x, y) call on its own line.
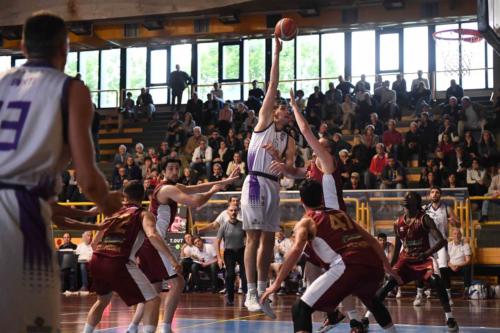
point(192, 200)
point(266, 113)
point(192, 189)
point(149, 227)
point(89, 177)
point(436, 234)
point(397, 250)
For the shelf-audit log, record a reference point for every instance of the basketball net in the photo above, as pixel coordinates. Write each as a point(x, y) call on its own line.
point(457, 59)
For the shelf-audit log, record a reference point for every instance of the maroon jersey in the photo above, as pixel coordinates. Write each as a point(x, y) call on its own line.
point(315, 173)
point(337, 240)
point(123, 236)
point(414, 236)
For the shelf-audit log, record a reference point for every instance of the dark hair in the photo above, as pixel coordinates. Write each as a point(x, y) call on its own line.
point(172, 160)
point(436, 188)
point(382, 235)
point(134, 190)
point(43, 35)
point(418, 198)
point(311, 193)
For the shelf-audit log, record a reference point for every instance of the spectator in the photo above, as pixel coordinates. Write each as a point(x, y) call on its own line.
point(186, 260)
point(364, 110)
point(448, 128)
point(388, 107)
point(360, 156)
point(377, 124)
point(147, 168)
point(217, 92)
point(189, 177)
point(354, 182)
point(251, 121)
point(344, 86)
point(399, 86)
point(210, 111)
point(121, 156)
point(476, 179)
point(202, 158)
point(453, 111)
point(446, 146)
point(373, 176)
point(178, 81)
point(386, 246)
point(487, 150)
point(239, 116)
point(68, 275)
point(119, 179)
point(333, 97)
point(234, 247)
point(451, 182)
point(256, 92)
point(348, 113)
point(194, 141)
point(204, 259)
point(454, 90)
point(323, 131)
point(430, 179)
point(195, 107)
point(132, 170)
point(412, 145)
point(279, 98)
point(139, 154)
point(225, 119)
point(378, 82)
point(301, 102)
point(428, 134)
point(369, 138)
point(339, 144)
point(244, 153)
point(393, 175)
point(345, 165)
point(128, 108)
point(154, 157)
point(494, 192)
point(416, 82)
point(421, 96)
point(237, 163)
point(223, 155)
point(145, 103)
point(473, 118)
point(471, 148)
point(232, 141)
point(188, 125)
point(282, 245)
point(217, 173)
point(175, 131)
point(362, 86)
point(214, 140)
point(392, 139)
point(315, 102)
point(67, 243)
point(84, 253)
point(163, 152)
point(460, 260)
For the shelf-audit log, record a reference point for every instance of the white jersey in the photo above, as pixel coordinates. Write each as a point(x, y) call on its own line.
point(163, 219)
point(31, 124)
point(440, 217)
point(258, 159)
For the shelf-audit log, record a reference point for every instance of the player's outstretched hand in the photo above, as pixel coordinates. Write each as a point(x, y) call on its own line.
point(271, 290)
point(277, 167)
point(278, 43)
point(233, 176)
point(217, 187)
point(113, 203)
point(293, 102)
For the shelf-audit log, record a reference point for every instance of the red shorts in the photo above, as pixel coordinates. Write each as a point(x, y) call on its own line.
point(340, 281)
point(121, 276)
point(412, 271)
point(155, 266)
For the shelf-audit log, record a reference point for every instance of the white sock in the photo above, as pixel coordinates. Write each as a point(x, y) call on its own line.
point(420, 291)
point(449, 292)
point(353, 314)
point(368, 314)
point(149, 329)
point(252, 287)
point(88, 329)
point(391, 329)
point(283, 284)
point(166, 328)
point(261, 286)
point(133, 328)
point(449, 315)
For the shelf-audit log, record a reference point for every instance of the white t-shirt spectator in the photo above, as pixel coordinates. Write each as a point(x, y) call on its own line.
point(223, 217)
point(84, 252)
point(187, 251)
point(206, 254)
point(458, 252)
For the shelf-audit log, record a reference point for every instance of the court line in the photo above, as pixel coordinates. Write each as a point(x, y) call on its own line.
point(221, 321)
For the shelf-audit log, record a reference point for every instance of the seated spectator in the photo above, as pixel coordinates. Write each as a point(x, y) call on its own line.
point(223, 155)
point(333, 98)
point(344, 86)
point(378, 82)
point(445, 145)
point(225, 119)
point(420, 97)
point(373, 177)
point(360, 155)
point(363, 111)
point(392, 139)
point(68, 275)
point(448, 128)
point(416, 82)
point(139, 154)
point(393, 175)
point(175, 131)
point(214, 140)
point(163, 152)
point(453, 111)
point(474, 120)
point(193, 141)
point(362, 86)
point(256, 92)
point(323, 131)
point(132, 170)
point(84, 253)
point(189, 177)
point(442, 162)
point(476, 179)
point(145, 104)
point(399, 86)
point(388, 107)
point(345, 165)
point(470, 146)
point(369, 138)
point(494, 192)
point(121, 156)
point(237, 163)
point(451, 182)
point(279, 98)
point(186, 260)
point(188, 125)
point(454, 90)
point(244, 153)
point(195, 107)
point(282, 245)
point(377, 124)
point(387, 246)
point(239, 116)
point(354, 182)
point(460, 262)
point(119, 178)
point(348, 113)
point(217, 173)
point(250, 122)
point(202, 158)
point(204, 259)
point(210, 111)
point(429, 179)
point(128, 108)
point(217, 92)
point(339, 144)
point(147, 167)
point(315, 102)
point(487, 150)
point(232, 141)
point(428, 134)
point(412, 145)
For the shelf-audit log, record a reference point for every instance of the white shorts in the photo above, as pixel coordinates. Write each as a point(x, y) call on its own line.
point(30, 289)
point(260, 204)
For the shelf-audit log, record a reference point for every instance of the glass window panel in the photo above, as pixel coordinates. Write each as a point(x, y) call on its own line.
point(159, 95)
point(208, 67)
point(287, 68)
point(181, 55)
point(110, 78)
point(332, 57)
point(230, 62)
point(89, 69)
point(307, 62)
point(136, 69)
point(416, 50)
point(4, 63)
point(158, 70)
point(473, 57)
point(20, 62)
point(446, 59)
point(231, 91)
point(489, 51)
point(254, 62)
point(363, 55)
point(71, 64)
point(389, 52)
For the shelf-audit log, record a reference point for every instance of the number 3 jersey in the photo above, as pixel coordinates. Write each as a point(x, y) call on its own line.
point(337, 240)
point(33, 99)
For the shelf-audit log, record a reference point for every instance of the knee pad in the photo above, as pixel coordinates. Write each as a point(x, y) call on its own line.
point(302, 316)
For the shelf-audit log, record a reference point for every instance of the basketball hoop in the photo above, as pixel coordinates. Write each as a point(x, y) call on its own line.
point(457, 63)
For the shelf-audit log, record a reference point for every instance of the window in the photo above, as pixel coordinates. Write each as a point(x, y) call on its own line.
point(158, 70)
point(287, 66)
point(415, 52)
point(332, 57)
point(254, 62)
point(110, 78)
point(20, 62)
point(363, 55)
point(89, 68)
point(71, 64)
point(181, 55)
point(159, 94)
point(4, 63)
point(473, 57)
point(489, 51)
point(389, 52)
point(447, 57)
point(231, 71)
point(208, 67)
point(307, 63)
point(136, 69)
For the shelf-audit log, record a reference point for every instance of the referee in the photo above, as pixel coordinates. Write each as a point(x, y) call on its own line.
point(234, 248)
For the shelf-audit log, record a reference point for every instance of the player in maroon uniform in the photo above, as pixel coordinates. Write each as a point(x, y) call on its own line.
point(113, 266)
point(355, 262)
point(163, 206)
point(415, 261)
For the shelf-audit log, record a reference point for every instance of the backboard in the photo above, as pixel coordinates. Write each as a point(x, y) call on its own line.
point(488, 22)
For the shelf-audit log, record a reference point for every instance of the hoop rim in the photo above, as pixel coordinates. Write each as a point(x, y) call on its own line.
point(466, 35)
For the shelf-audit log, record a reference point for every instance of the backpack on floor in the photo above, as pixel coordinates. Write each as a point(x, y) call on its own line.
point(481, 290)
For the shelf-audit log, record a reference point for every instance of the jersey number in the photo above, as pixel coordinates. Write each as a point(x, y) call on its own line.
point(16, 126)
point(341, 222)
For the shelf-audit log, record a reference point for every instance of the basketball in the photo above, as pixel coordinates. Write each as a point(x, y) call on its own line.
point(286, 29)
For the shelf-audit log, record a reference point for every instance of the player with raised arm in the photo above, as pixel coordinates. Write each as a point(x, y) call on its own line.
point(353, 260)
point(260, 195)
point(45, 117)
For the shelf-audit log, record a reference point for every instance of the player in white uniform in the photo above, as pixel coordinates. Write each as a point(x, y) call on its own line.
point(443, 216)
point(41, 110)
point(260, 193)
